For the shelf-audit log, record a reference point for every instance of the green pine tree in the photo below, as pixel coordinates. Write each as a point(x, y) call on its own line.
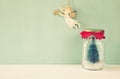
point(93, 55)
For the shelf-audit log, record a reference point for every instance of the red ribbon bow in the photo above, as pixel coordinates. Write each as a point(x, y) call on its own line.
point(98, 35)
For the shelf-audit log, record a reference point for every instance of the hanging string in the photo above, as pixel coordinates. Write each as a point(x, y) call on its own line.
point(69, 2)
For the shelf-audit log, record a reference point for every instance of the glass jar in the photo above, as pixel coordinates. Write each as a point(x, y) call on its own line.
point(93, 49)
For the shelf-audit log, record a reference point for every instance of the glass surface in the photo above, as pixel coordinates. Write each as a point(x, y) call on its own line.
point(93, 54)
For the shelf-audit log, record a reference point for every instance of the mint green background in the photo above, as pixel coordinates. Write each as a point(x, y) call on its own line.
point(31, 34)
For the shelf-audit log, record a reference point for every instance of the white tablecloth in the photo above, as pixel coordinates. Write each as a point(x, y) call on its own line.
point(57, 72)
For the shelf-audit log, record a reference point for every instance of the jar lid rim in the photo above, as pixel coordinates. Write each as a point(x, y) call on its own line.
point(93, 30)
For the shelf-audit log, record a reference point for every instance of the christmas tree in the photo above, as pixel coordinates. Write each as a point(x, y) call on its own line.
point(93, 55)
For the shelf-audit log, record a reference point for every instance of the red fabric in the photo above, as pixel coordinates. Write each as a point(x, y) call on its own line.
point(98, 35)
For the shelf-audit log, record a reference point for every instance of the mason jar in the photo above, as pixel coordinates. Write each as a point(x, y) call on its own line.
point(93, 49)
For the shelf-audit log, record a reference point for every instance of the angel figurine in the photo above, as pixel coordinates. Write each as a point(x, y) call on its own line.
point(68, 13)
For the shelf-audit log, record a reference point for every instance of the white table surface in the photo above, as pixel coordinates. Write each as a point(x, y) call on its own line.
point(57, 72)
